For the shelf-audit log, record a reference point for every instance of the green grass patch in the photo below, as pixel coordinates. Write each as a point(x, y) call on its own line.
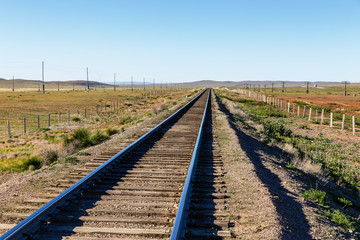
point(316, 196)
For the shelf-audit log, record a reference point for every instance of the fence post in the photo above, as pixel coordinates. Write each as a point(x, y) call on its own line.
point(105, 107)
point(331, 119)
point(68, 115)
point(38, 121)
point(353, 125)
point(294, 109)
point(100, 107)
point(78, 113)
point(316, 115)
point(322, 117)
point(343, 122)
point(85, 112)
point(309, 115)
point(97, 108)
point(298, 112)
point(49, 120)
point(304, 111)
point(8, 125)
point(59, 117)
point(24, 125)
point(288, 107)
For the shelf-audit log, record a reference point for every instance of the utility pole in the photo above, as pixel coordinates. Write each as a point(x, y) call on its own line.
point(13, 84)
point(132, 84)
point(87, 78)
point(43, 78)
point(345, 83)
point(283, 86)
point(307, 87)
point(114, 82)
point(272, 87)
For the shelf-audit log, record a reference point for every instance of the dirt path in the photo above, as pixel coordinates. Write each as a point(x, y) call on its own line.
point(265, 197)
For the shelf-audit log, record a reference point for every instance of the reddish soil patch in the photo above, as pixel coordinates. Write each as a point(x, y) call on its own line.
point(349, 103)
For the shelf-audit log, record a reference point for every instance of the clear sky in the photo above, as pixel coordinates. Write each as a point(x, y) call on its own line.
point(179, 41)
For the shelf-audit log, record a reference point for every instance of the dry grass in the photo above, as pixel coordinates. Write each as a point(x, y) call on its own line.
point(48, 142)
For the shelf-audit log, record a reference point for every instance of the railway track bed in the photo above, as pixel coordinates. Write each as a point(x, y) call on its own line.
point(137, 195)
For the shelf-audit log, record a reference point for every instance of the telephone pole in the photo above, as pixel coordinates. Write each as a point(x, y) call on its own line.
point(114, 82)
point(307, 87)
point(283, 86)
point(43, 78)
point(87, 78)
point(132, 84)
point(345, 92)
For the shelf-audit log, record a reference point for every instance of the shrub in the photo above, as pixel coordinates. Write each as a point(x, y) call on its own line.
point(275, 129)
point(83, 154)
point(49, 156)
point(111, 131)
point(82, 135)
point(82, 138)
point(72, 160)
point(315, 195)
point(340, 218)
point(31, 164)
point(97, 137)
point(75, 119)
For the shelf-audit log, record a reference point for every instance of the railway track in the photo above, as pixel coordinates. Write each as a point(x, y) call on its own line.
point(144, 191)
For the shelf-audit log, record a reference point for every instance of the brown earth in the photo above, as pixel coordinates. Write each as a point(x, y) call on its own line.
point(265, 197)
point(350, 103)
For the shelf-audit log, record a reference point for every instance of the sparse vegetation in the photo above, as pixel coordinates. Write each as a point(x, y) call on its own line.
point(316, 196)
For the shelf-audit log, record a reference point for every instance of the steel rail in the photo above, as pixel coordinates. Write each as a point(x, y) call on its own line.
point(178, 230)
point(31, 223)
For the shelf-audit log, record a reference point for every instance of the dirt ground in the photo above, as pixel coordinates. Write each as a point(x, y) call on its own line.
point(350, 103)
point(265, 198)
point(18, 187)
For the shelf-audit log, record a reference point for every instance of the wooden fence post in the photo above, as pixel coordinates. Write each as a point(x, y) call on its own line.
point(8, 125)
point(49, 120)
point(309, 115)
point(353, 125)
point(85, 112)
point(68, 115)
point(294, 109)
point(24, 125)
point(288, 107)
point(59, 117)
point(316, 115)
point(100, 107)
point(304, 111)
point(298, 112)
point(343, 122)
point(322, 117)
point(331, 119)
point(97, 108)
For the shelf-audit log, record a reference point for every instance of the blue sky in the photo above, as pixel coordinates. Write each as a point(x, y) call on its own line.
point(179, 41)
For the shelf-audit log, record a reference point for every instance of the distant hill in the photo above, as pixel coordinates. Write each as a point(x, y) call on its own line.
point(240, 84)
point(34, 84)
point(22, 84)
